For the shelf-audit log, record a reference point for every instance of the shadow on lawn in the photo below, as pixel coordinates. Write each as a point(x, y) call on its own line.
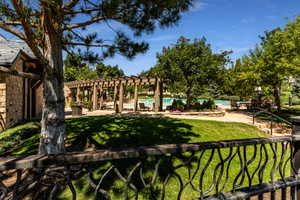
point(108, 132)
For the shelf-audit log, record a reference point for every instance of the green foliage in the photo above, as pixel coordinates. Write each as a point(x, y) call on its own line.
point(76, 69)
point(275, 60)
point(208, 105)
point(69, 23)
point(189, 67)
point(177, 105)
point(105, 71)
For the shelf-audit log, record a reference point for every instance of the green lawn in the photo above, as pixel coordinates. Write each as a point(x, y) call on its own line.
point(105, 132)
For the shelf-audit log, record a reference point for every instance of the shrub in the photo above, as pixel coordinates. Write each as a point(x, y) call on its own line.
point(208, 105)
point(176, 105)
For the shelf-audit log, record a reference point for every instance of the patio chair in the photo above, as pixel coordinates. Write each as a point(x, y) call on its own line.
point(143, 107)
point(234, 105)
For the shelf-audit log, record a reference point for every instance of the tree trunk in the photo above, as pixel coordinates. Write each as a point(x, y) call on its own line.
point(188, 99)
point(53, 116)
point(277, 98)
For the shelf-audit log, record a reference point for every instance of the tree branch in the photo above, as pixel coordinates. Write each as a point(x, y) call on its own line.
point(70, 4)
point(30, 40)
point(21, 74)
point(78, 25)
point(81, 11)
point(88, 45)
point(12, 30)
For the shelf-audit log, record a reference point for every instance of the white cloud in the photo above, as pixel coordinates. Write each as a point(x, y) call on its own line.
point(198, 5)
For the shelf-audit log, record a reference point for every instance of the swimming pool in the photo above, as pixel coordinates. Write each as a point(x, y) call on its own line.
point(168, 101)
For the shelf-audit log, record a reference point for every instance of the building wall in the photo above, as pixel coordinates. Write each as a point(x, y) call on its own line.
point(14, 97)
point(2, 101)
point(39, 101)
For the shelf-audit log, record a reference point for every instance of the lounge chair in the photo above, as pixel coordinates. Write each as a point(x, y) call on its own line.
point(143, 107)
point(234, 105)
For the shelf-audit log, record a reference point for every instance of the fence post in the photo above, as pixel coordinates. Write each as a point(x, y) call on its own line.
point(296, 153)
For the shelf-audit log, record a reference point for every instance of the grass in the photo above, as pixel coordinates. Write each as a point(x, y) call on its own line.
point(285, 113)
point(106, 132)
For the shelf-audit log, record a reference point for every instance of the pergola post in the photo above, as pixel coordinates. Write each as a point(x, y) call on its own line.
point(95, 97)
point(115, 96)
point(161, 95)
point(101, 93)
point(135, 104)
point(78, 94)
point(158, 96)
point(121, 97)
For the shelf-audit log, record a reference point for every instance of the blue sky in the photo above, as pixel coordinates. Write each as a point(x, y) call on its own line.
point(227, 24)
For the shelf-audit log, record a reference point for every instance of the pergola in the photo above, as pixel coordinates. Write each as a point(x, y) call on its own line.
point(97, 87)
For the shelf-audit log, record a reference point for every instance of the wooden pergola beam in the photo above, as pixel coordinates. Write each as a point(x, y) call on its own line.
point(21, 74)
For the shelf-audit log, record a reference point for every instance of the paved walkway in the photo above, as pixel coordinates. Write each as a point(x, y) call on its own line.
point(229, 116)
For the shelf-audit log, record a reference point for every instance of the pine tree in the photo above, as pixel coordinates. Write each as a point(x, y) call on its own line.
point(51, 26)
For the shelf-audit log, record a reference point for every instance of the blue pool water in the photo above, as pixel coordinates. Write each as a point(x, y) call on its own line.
point(168, 101)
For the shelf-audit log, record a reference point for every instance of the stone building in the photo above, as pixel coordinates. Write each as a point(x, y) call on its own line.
point(20, 98)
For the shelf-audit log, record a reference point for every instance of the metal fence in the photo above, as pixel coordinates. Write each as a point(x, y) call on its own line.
point(236, 169)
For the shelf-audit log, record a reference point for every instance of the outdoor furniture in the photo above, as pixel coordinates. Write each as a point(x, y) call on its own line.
point(143, 107)
point(234, 105)
point(76, 109)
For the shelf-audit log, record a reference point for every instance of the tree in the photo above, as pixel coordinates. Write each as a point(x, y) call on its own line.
point(51, 26)
point(75, 69)
point(189, 66)
point(104, 71)
point(276, 59)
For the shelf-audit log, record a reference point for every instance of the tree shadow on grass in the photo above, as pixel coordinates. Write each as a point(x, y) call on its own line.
point(110, 132)
point(21, 142)
point(115, 132)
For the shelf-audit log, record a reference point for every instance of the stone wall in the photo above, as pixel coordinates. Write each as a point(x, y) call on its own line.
point(2, 101)
point(14, 97)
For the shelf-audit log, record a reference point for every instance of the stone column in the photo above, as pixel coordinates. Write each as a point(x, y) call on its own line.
point(95, 97)
point(121, 97)
point(295, 191)
point(158, 96)
point(135, 104)
point(78, 94)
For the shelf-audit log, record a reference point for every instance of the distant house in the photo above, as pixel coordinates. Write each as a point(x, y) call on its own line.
point(20, 98)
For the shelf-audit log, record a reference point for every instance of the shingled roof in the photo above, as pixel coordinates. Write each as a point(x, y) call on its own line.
point(10, 49)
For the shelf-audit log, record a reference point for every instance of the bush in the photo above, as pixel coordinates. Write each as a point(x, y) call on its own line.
point(176, 105)
point(208, 105)
point(88, 105)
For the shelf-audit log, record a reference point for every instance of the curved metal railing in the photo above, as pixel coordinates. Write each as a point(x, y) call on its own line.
point(271, 116)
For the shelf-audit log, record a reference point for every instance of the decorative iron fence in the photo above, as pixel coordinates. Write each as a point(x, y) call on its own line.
point(237, 169)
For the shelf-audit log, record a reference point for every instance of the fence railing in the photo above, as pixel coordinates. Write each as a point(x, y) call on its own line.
point(272, 118)
point(236, 169)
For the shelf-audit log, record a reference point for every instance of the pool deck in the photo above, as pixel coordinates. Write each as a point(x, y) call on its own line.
point(228, 117)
